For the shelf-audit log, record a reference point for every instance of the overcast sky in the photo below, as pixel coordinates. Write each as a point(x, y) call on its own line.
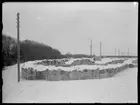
point(69, 26)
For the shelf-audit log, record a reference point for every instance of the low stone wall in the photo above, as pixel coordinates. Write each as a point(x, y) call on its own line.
point(116, 61)
point(52, 62)
point(82, 62)
point(135, 61)
point(62, 62)
point(57, 75)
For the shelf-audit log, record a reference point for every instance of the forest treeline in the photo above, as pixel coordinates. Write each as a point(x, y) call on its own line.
point(29, 51)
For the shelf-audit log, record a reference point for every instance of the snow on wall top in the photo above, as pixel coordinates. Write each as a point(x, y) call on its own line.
point(106, 60)
point(71, 60)
point(30, 64)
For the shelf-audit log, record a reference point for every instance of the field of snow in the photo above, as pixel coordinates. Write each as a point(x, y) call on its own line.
point(122, 88)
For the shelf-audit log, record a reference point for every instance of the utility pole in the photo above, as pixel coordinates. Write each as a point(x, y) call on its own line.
point(128, 52)
point(91, 47)
point(18, 48)
point(122, 54)
point(115, 51)
point(118, 52)
point(100, 49)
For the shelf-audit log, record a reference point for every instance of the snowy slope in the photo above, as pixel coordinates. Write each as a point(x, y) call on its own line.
point(121, 88)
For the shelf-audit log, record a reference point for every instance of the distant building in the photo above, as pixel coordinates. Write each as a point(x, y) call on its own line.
point(97, 58)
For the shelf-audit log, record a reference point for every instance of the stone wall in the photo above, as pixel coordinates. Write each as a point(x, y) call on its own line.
point(57, 75)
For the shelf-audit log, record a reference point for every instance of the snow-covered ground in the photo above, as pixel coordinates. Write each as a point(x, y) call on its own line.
point(119, 89)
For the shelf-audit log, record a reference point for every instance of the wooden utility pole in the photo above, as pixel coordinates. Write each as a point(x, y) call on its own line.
point(122, 54)
point(91, 47)
point(115, 51)
point(128, 52)
point(18, 48)
point(100, 49)
point(118, 52)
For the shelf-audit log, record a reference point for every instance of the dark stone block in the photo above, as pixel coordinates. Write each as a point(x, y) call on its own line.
point(131, 66)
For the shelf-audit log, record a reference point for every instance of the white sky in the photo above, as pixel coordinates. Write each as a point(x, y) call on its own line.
point(69, 26)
